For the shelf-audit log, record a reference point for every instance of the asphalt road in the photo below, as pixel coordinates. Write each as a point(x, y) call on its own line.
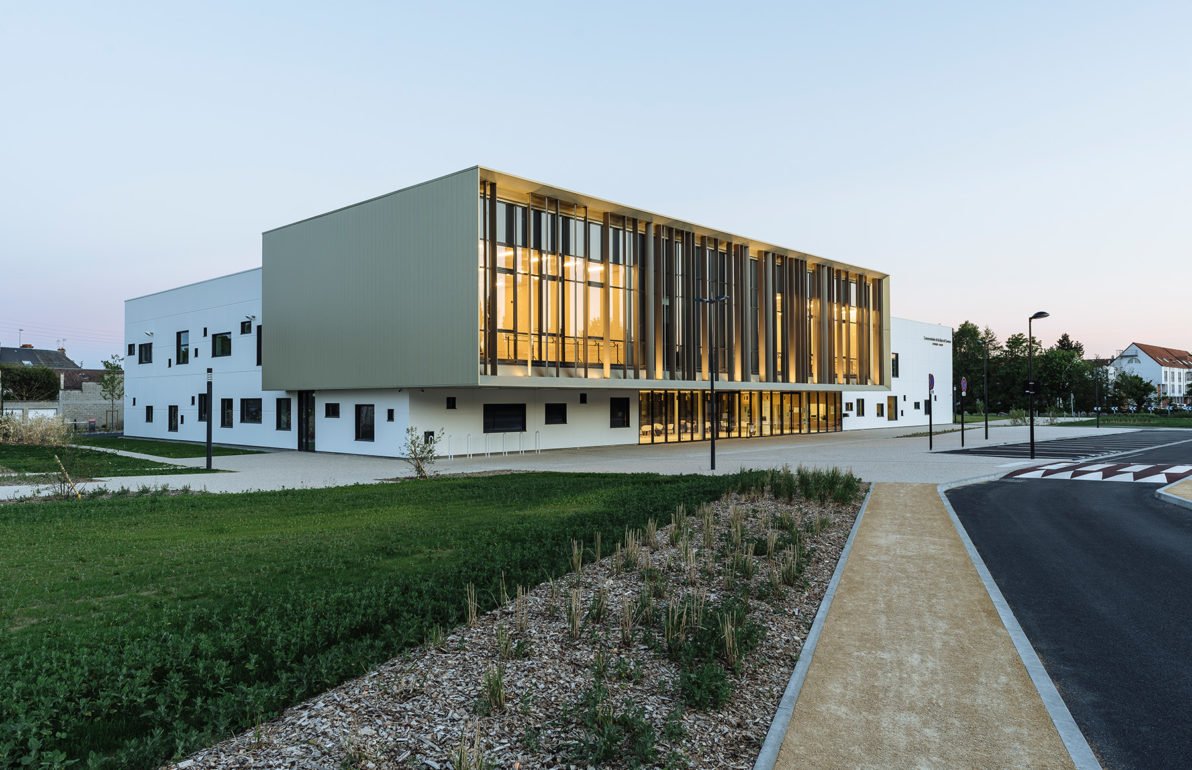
point(1082, 447)
point(1099, 575)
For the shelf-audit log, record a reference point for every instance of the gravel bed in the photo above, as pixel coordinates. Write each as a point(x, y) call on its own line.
point(422, 709)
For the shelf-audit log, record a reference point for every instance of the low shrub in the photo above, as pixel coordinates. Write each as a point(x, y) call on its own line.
point(33, 431)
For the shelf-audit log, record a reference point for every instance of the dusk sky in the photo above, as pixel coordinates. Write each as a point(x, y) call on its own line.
point(994, 158)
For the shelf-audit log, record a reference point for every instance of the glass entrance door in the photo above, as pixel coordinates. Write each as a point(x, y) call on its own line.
point(306, 421)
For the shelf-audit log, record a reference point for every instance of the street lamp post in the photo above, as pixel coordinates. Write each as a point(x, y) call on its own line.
point(1030, 370)
point(714, 365)
point(985, 384)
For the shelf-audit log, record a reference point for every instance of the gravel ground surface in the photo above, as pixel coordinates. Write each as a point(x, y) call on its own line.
point(422, 709)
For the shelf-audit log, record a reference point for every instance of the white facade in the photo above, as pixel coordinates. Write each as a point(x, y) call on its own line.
point(919, 349)
point(1168, 369)
point(201, 310)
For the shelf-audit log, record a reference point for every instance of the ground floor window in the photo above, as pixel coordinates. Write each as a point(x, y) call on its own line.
point(860, 407)
point(148, 413)
point(225, 413)
point(250, 411)
point(283, 414)
point(892, 408)
point(365, 414)
point(504, 418)
point(618, 413)
point(204, 407)
point(556, 414)
point(172, 418)
point(668, 416)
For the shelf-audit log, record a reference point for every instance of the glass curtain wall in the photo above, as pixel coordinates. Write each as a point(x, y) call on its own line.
point(672, 416)
point(564, 291)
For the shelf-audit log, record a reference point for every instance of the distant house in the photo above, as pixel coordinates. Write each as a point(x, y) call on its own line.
point(1168, 369)
point(80, 401)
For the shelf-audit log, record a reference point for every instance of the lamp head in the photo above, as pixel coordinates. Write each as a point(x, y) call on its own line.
point(1040, 314)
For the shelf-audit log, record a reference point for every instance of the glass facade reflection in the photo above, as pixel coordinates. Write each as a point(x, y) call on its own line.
point(670, 416)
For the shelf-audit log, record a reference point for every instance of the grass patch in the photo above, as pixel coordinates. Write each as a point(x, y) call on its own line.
point(144, 627)
point(1136, 421)
point(79, 463)
point(147, 446)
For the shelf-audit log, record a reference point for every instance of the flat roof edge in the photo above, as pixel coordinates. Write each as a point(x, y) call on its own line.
point(192, 283)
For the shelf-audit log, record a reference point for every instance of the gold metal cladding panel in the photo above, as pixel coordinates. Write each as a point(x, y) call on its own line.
point(379, 294)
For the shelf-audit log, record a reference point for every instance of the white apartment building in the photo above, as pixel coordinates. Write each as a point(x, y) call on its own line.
point(1168, 369)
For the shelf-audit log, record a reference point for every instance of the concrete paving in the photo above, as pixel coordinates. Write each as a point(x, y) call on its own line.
point(1182, 490)
point(914, 667)
point(887, 454)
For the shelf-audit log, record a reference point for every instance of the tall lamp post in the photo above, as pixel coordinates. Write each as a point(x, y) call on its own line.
point(714, 365)
point(1030, 370)
point(985, 383)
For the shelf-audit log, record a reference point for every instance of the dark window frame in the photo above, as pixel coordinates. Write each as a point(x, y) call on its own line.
point(331, 410)
point(366, 422)
point(145, 353)
point(246, 326)
point(250, 411)
point(215, 346)
point(505, 418)
point(148, 412)
point(204, 408)
point(182, 347)
point(618, 412)
point(555, 413)
point(226, 405)
point(283, 414)
point(451, 402)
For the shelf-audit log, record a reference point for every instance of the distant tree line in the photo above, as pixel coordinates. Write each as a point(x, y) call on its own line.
point(28, 383)
point(1064, 379)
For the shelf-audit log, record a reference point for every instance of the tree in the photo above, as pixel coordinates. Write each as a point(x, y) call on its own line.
point(111, 385)
point(1067, 343)
point(1131, 389)
point(30, 383)
point(420, 450)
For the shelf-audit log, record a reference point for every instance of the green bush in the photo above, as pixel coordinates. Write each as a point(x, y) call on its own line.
point(704, 687)
point(1018, 417)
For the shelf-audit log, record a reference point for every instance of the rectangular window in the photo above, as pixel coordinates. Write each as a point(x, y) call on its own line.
point(204, 407)
point(618, 413)
point(221, 344)
point(182, 347)
point(892, 408)
point(225, 413)
point(132, 348)
point(893, 364)
point(149, 413)
point(246, 327)
point(880, 409)
point(389, 416)
point(504, 418)
point(258, 344)
point(556, 414)
point(917, 406)
point(172, 415)
point(451, 402)
point(583, 398)
point(283, 414)
point(145, 353)
point(860, 407)
point(331, 411)
point(364, 422)
point(250, 411)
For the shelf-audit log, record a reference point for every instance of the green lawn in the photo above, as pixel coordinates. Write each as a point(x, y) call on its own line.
point(142, 627)
point(1137, 421)
point(80, 463)
point(156, 448)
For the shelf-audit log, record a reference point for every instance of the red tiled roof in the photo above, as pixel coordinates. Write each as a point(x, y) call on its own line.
point(1170, 357)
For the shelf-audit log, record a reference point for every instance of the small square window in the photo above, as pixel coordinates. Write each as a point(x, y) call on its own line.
point(221, 344)
point(132, 348)
point(246, 327)
point(250, 411)
point(583, 398)
point(331, 411)
point(450, 402)
point(917, 405)
point(556, 414)
point(848, 406)
point(389, 416)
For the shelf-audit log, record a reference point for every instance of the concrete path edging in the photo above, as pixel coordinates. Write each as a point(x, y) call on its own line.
point(1168, 497)
point(768, 755)
point(1074, 740)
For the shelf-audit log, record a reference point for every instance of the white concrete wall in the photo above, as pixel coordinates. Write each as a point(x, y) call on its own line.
point(587, 424)
point(1134, 361)
point(219, 305)
point(922, 348)
point(338, 434)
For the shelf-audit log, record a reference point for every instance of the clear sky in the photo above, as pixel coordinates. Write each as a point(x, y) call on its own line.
point(994, 158)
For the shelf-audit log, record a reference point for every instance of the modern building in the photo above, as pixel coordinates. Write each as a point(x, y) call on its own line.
point(1168, 369)
point(513, 316)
